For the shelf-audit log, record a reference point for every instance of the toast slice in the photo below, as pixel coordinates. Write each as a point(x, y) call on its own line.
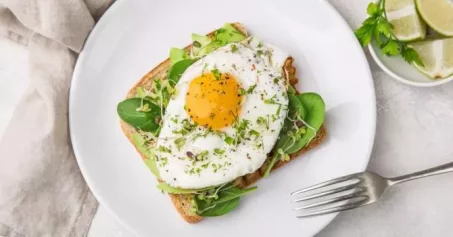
point(183, 202)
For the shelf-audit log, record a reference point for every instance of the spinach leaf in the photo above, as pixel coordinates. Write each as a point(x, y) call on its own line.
point(221, 208)
point(315, 107)
point(178, 69)
point(291, 90)
point(295, 107)
point(295, 111)
point(233, 192)
point(310, 108)
point(225, 201)
point(140, 113)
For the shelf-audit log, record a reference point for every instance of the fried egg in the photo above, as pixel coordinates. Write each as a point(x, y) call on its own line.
point(225, 116)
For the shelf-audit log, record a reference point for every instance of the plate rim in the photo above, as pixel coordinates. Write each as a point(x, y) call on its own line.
point(77, 68)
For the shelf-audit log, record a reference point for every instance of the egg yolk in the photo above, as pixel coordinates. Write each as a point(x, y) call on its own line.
point(213, 100)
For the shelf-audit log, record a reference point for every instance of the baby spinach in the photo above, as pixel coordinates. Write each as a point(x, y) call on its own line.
point(140, 113)
point(225, 200)
point(308, 107)
point(291, 90)
point(285, 141)
point(178, 69)
point(220, 208)
point(315, 106)
point(295, 111)
point(295, 107)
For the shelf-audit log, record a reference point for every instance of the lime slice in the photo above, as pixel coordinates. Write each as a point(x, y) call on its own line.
point(403, 15)
point(438, 14)
point(437, 55)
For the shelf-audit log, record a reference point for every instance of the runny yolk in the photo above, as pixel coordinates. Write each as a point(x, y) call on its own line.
point(213, 102)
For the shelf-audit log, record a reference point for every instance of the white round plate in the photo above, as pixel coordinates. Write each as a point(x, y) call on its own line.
point(134, 36)
point(400, 70)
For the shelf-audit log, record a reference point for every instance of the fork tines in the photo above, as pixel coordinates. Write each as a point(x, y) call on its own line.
point(349, 195)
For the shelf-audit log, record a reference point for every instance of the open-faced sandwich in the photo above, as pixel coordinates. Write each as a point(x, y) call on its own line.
point(217, 116)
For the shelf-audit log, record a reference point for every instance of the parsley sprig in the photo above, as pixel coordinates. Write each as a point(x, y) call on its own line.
point(377, 27)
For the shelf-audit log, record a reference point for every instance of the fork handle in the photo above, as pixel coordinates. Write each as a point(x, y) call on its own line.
point(424, 173)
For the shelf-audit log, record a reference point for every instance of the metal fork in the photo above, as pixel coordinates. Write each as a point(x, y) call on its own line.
point(358, 190)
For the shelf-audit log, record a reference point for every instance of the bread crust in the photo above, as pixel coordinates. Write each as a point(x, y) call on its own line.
point(183, 202)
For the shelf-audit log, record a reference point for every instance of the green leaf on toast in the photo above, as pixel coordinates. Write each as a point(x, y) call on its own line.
point(228, 34)
point(226, 201)
point(145, 119)
point(223, 36)
point(178, 69)
point(314, 104)
point(291, 90)
point(177, 55)
point(140, 144)
point(311, 109)
point(199, 42)
point(221, 208)
point(295, 108)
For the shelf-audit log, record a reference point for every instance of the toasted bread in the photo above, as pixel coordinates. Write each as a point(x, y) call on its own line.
point(183, 202)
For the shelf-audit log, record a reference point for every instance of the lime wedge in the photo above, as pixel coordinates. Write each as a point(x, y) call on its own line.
point(438, 14)
point(403, 15)
point(437, 55)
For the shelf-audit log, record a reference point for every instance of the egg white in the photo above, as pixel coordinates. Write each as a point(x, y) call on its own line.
point(252, 63)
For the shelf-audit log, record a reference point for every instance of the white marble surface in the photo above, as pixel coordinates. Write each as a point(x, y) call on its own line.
point(414, 131)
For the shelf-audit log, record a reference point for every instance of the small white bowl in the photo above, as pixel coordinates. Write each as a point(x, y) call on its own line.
point(397, 68)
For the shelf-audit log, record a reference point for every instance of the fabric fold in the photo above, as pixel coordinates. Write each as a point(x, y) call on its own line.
point(42, 192)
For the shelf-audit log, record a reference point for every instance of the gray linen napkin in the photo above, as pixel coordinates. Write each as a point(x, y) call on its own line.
point(42, 192)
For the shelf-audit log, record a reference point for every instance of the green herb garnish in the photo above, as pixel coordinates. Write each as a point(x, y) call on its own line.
point(219, 201)
point(234, 48)
point(378, 27)
point(164, 149)
point(180, 142)
point(216, 73)
point(263, 121)
point(187, 127)
point(202, 155)
point(255, 133)
point(271, 100)
point(229, 140)
point(251, 89)
point(219, 151)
